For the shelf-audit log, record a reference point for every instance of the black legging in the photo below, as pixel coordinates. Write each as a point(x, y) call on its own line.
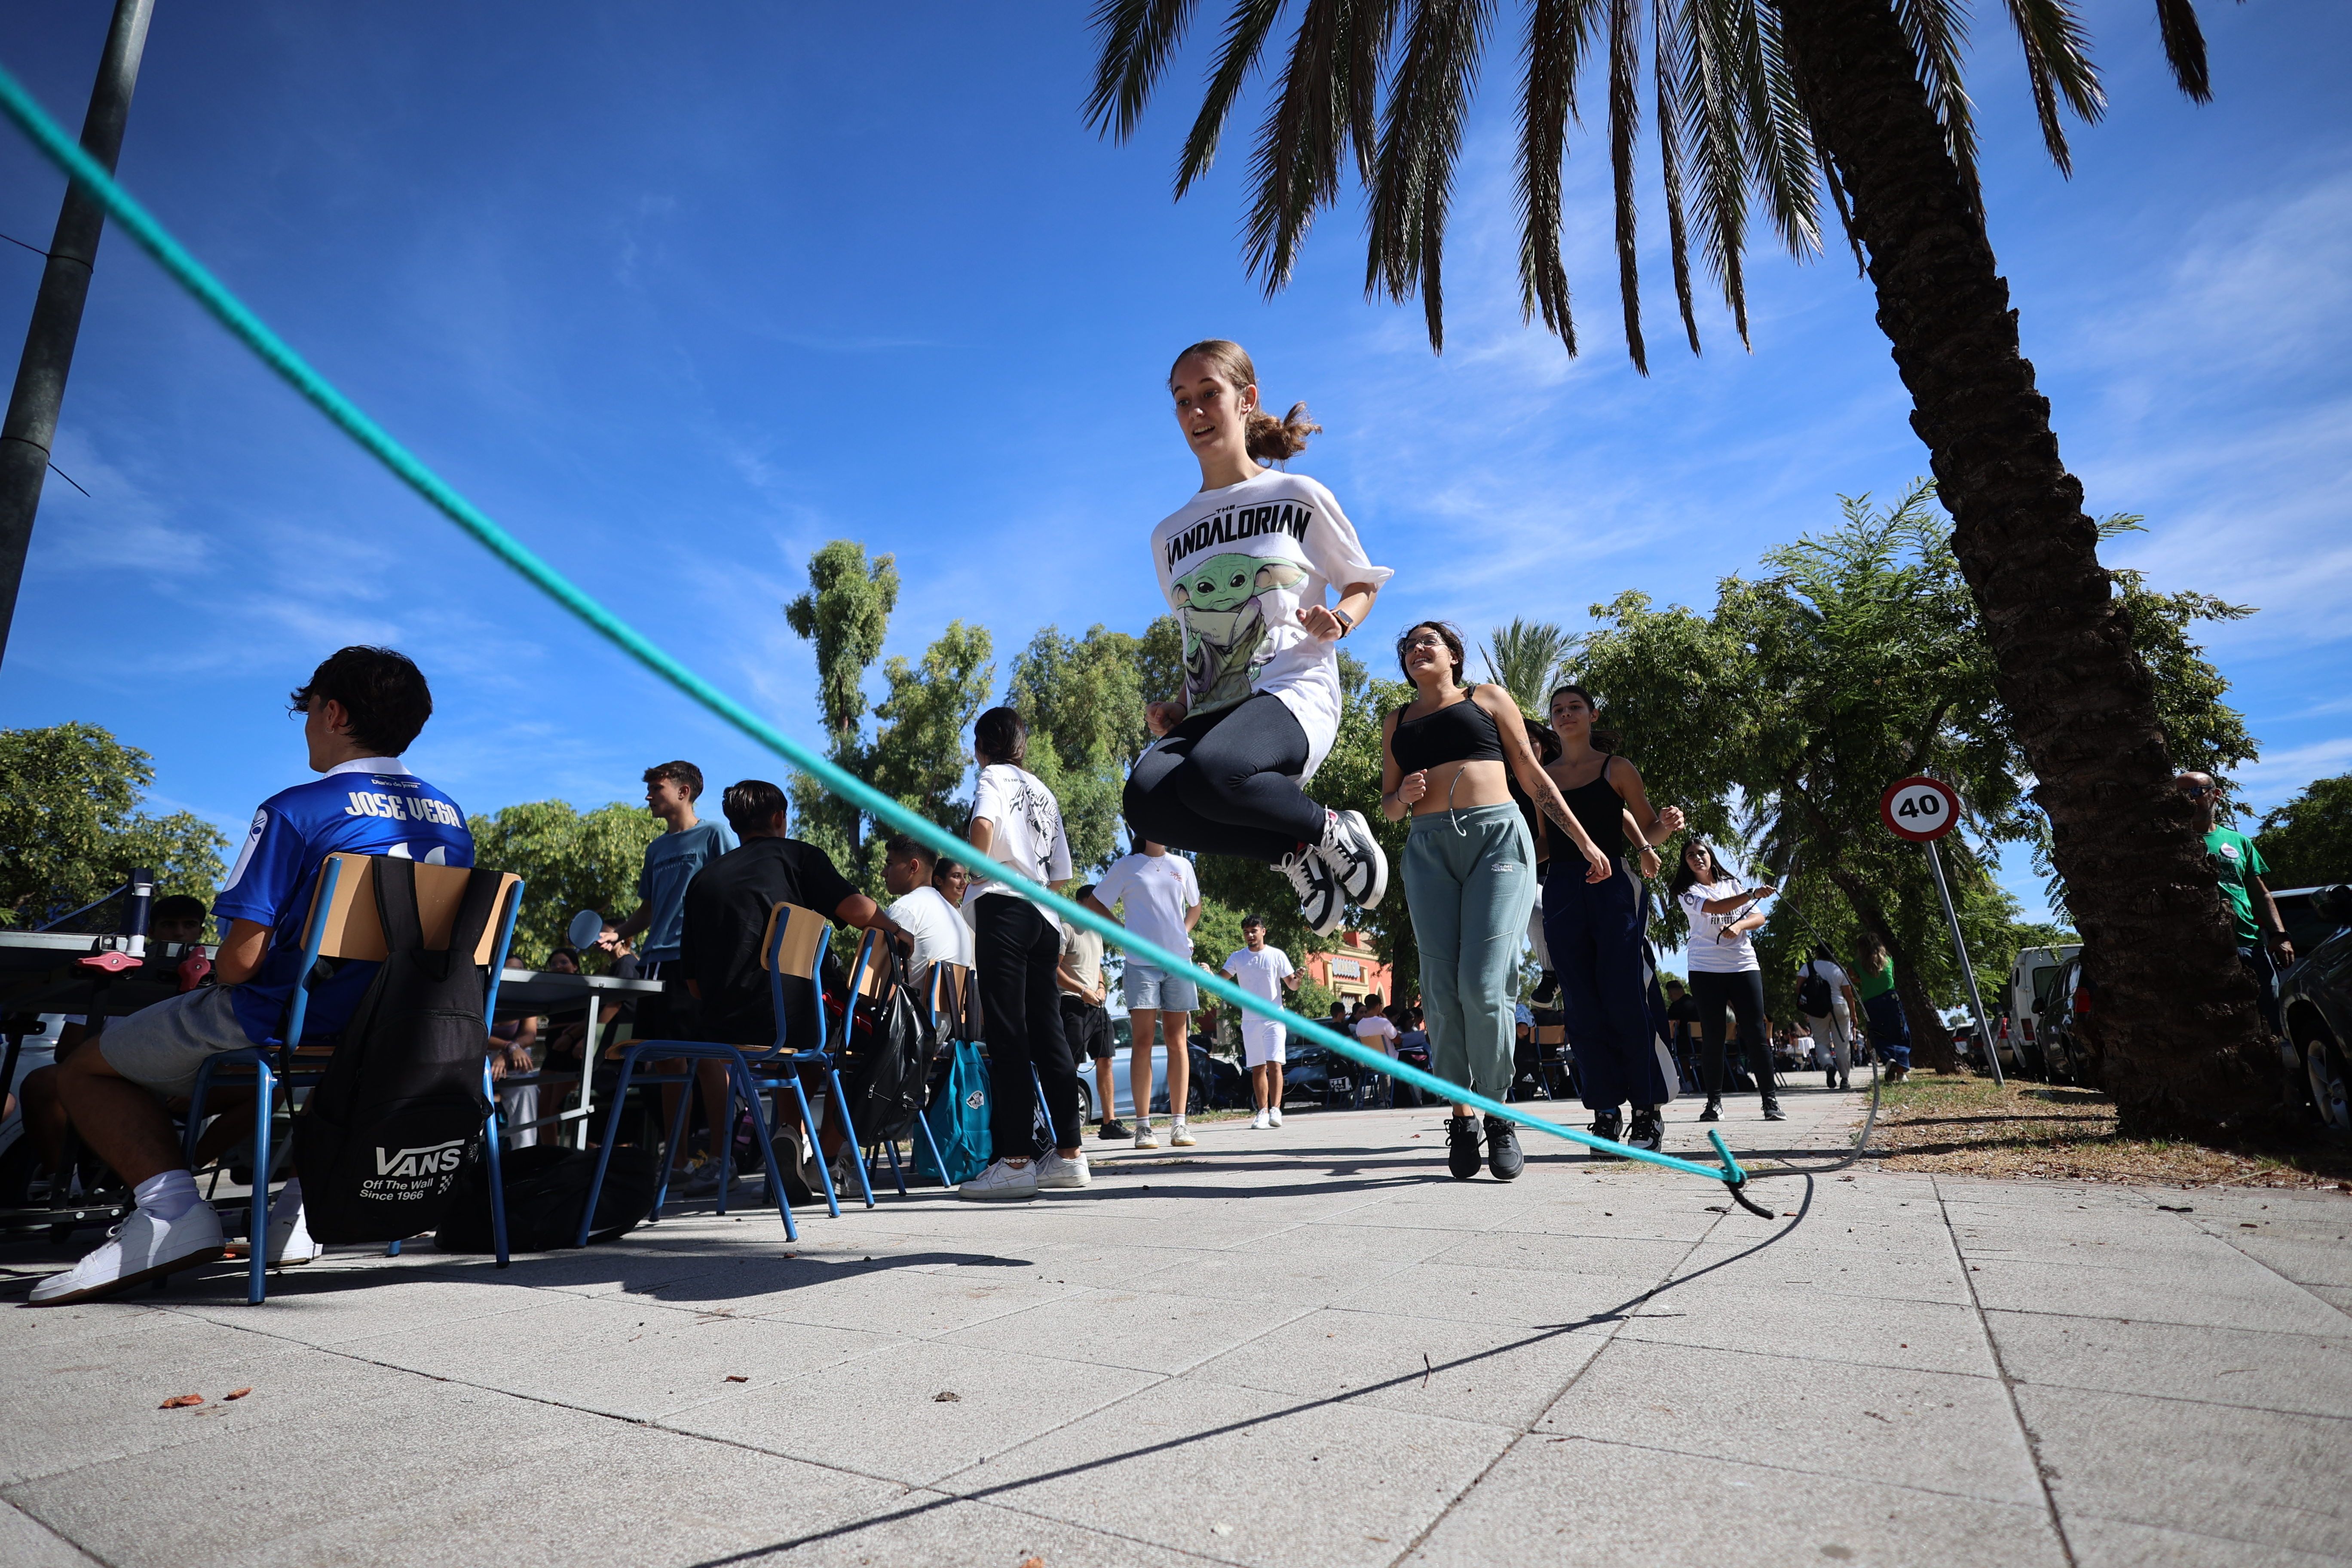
point(1016, 951)
point(1743, 993)
point(1226, 782)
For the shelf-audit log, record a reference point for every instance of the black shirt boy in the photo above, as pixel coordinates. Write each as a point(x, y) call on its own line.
point(727, 906)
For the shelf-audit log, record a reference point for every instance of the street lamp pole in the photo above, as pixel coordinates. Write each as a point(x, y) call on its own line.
point(31, 425)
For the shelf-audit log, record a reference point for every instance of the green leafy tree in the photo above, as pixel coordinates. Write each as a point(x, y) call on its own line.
point(1758, 106)
point(72, 830)
point(1083, 699)
point(569, 860)
point(2308, 841)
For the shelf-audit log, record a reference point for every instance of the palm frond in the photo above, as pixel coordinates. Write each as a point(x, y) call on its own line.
point(1138, 36)
point(1668, 57)
point(1525, 659)
point(1624, 125)
point(1710, 109)
point(1245, 33)
point(1780, 138)
point(1297, 167)
point(1419, 140)
point(2184, 47)
point(2057, 65)
point(1938, 31)
point(1558, 31)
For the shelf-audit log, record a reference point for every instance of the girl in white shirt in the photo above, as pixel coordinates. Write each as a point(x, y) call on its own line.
point(1016, 820)
point(1246, 565)
point(1723, 972)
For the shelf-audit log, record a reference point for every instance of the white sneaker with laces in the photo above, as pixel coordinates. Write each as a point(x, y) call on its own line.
point(1180, 1136)
point(1273, 1114)
point(1144, 1136)
point(1002, 1182)
point(1056, 1174)
point(141, 1248)
point(1259, 1122)
point(290, 1245)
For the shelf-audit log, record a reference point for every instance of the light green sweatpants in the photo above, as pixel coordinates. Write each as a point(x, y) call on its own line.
point(1470, 883)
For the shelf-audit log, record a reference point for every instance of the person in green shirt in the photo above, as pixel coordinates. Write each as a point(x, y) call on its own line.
point(2238, 866)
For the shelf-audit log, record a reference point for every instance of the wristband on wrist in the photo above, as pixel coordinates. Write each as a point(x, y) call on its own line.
point(1347, 622)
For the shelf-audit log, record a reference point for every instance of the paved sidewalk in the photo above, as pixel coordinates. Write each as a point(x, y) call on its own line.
point(1299, 1347)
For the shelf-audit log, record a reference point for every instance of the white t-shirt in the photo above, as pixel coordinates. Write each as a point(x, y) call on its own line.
point(1709, 951)
point(1158, 889)
point(938, 929)
point(1375, 1029)
point(1261, 974)
point(1237, 564)
point(1028, 820)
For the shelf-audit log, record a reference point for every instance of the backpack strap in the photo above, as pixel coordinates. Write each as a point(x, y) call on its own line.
point(474, 913)
point(395, 903)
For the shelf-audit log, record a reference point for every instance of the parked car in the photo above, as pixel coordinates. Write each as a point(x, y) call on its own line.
point(2034, 981)
point(1316, 1076)
point(2315, 1003)
point(2066, 1004)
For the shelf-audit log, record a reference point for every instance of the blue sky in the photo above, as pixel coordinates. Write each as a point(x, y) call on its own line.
point(680, 293)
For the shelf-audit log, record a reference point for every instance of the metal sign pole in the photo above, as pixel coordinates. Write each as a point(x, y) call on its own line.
point(1960, 951)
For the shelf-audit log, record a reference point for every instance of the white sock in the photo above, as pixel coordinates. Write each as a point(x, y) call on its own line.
point(290, 1201)
point(169, 1195)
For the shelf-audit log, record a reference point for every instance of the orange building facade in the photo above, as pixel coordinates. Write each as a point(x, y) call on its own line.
point(1352, 970)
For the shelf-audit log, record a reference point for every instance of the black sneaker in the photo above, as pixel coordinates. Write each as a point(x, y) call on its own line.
point(1462, 1152)
point(1772, 1112)
point(1713, 1111)
point(1608, 1125)
point(1320, 904)
point(1114, 1130)
point(1503, 1156)
point(1354, 856)
point(1649, 1130)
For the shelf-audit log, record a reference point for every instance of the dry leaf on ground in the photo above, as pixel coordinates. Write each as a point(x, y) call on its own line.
point(181, 1402)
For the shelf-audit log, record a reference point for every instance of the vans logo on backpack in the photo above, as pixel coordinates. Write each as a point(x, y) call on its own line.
point(435, 1158)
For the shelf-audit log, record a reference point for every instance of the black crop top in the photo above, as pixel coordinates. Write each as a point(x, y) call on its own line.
point(1602, 811)
point(1459, 732)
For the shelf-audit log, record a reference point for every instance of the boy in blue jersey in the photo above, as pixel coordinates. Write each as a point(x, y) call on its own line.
point(363, 707)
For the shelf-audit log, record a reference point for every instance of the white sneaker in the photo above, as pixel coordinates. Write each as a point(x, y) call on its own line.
point(1058, 1175)
point(1259, 1123)
point(290, 1245)
point(1355, 857)
point(1002, 1182)
point(141, 1248)
point(1273, 1114)
point(1143, 1137)
point(1180, 1137)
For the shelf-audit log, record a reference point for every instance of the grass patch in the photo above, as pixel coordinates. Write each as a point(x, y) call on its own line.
point(1973, 1127)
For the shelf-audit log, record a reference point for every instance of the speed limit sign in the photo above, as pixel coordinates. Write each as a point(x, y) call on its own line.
point(1920, 808)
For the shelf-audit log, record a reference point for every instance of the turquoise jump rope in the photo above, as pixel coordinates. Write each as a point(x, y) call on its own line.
point(249, 328)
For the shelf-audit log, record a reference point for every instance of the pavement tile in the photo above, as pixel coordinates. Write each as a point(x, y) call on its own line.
point(27, 1542)
point(2257, 1476)
point(1144, 1331)
point(2305, 1260)
point(1498, 1374)
point(1800, 1260)
point(880, 1414)
point(1522, 1297)
point(2199, 1288)
point(1094, 1262)
point(1928, 1336)
point(619, 1357)
point(1633, 1257)
point(1567, 1501)
point(2113, 1543)
point(1937, 1431)
point(1344, 1485)
point(883, 1296)
point(2300, 1372)
point(329, 1302)
point(1312, 1265)
point(954, 1530)
point(267, 1467)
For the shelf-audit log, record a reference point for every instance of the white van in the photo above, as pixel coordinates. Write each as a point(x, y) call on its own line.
point(2029, 979)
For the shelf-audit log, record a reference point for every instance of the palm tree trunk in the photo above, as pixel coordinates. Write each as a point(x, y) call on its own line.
point(2176, 1010)
point(1931, 1041)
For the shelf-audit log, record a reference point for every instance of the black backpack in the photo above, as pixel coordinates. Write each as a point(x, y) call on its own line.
point(889, 1061)
point(547, 1186)
point(1813, 994)
point(399, 1107)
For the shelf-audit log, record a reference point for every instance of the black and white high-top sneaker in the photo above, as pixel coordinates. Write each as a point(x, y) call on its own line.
point(1354, 856)
point(1320, 904)
point(1649, 1128)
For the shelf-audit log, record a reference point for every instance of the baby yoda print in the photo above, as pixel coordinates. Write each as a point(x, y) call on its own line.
point(1219, 602)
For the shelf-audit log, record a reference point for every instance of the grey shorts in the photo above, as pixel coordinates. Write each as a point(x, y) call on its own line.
point(160, 1047)
point(1146, 986)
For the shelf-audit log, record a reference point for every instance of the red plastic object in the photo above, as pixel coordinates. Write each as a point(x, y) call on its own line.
point(193, 970)
point(113, 963)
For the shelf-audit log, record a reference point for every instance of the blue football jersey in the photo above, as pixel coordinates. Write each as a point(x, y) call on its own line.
point(372, 807)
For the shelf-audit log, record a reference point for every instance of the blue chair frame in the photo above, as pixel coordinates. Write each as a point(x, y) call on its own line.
point(785, 919)
point(273, 1066)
